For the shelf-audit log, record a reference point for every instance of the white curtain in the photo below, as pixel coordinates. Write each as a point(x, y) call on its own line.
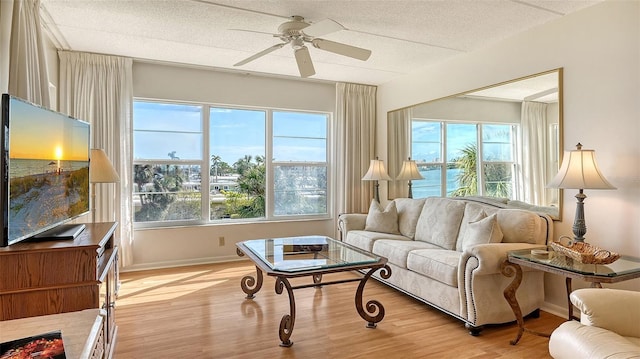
point(534, 151)
point(99, 89)
point(28, 78)
point(355, 140)
point(399, 144)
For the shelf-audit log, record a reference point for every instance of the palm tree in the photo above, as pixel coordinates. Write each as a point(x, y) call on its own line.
point(498, 180)
point(468, 176)
point(253, 183)
point(215, 163)
point(243, 164)
point(497, 177)
point(142, 175)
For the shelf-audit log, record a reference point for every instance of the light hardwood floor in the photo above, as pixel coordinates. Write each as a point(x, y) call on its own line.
point(201, 312)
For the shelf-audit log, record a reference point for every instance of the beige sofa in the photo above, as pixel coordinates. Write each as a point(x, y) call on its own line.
point(447, 253)
point(609, 326)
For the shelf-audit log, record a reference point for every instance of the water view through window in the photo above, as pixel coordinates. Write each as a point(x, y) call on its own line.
point(462, 159)
point(247, 149)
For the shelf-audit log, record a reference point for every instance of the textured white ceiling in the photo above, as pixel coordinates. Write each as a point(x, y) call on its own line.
point(541, 88)
point(402, 35)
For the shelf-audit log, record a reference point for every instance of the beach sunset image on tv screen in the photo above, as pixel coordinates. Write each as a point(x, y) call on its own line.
point(48, 169)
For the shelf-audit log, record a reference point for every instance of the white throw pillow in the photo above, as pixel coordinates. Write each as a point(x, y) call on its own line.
point(384, 221)
point(483, 229)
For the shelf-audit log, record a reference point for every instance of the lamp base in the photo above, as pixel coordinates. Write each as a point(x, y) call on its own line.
point(579, 225)
point(93, 203)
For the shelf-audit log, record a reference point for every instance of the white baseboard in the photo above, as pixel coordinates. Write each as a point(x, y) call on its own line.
point(556, 310)
point(183, 263)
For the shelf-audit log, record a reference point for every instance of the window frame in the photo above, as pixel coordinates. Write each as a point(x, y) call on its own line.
point(443, 162)
point(270, 164)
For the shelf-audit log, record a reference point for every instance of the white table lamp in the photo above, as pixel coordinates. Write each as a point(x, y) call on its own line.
point(376, 172)
point(579, 170)
point(100, 171)
point(408, 172)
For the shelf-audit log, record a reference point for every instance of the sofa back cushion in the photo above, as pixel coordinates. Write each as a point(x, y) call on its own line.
point(408, 213)
point(439, 222)
point(516, 225)
point(519, 225)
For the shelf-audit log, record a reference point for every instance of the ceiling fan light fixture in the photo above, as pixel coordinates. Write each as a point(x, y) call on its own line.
point(297, 31)
point(293, 27)
point(297, 43)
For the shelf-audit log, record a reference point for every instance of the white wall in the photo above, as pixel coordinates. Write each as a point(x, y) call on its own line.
point(166, 81)
point(6, 10)
point(199, 244)
point(599, 49)
point(470, 110)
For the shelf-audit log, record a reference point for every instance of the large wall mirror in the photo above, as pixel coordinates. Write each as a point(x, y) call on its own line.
point(502, 142)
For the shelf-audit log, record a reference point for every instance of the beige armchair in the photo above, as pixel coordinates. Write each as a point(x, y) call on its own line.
point(609, 326)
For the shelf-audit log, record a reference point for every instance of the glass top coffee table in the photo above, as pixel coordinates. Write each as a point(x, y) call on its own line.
point(312, 256)
point(624, 268)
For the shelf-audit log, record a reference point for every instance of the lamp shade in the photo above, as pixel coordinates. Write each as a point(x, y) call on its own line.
point(409, 171)
point(579, 170)
point(376, 172)
point(100, 168)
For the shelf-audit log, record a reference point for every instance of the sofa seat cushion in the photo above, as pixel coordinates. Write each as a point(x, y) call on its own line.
point(396, 251)
point(438, 264)
point(439, 222)
point(365, 239)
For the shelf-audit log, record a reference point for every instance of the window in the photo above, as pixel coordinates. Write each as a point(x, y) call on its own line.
point(462, 159)
point(299, 163)
point(167, 147)
point(237, 152)
point(206, 164)
point(497, 161)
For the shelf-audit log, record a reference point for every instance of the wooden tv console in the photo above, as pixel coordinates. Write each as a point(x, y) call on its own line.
point(51, 277)
point(82, 332)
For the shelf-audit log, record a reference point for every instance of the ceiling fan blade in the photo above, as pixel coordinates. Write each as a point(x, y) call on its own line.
point(322, 28)
point(305, 66)
point(260, 54)
point(342, 49)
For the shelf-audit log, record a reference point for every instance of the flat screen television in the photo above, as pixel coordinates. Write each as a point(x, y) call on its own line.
point(44, 172)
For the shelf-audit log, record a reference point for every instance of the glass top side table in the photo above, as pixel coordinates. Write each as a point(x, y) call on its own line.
point(594, 273)
point(624, 268)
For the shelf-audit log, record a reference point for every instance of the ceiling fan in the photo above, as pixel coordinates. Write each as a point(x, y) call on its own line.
point(297, 32)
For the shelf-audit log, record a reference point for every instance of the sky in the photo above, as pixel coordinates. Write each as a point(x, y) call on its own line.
point(37, 133)
point(427, 140)
point(164, 130)
point(161, 129)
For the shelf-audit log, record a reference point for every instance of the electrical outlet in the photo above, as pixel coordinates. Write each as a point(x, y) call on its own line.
point(221, 241)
